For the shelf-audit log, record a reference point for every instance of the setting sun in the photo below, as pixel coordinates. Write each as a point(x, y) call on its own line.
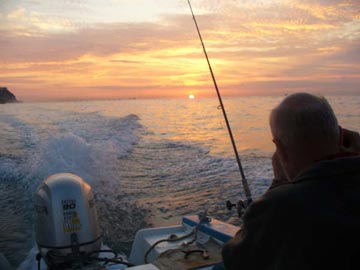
point(191, 96)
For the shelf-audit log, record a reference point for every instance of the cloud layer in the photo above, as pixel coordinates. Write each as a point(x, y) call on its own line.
point(256, 47)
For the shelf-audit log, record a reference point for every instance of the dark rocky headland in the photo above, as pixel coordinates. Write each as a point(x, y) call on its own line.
point(6, 96)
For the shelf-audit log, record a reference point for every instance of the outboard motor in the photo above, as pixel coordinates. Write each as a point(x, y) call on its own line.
point(66, 226)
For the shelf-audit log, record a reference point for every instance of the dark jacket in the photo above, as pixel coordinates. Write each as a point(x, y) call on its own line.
point(311, 223)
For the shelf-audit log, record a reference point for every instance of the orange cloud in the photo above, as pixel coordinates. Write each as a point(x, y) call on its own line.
point(256, 47)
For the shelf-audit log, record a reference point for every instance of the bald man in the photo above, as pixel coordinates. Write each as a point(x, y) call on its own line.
point(310, 218)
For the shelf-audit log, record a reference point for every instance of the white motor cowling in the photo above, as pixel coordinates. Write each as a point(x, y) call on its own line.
point(66, 222)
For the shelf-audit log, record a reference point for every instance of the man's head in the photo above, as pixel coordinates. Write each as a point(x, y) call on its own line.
point(305, 130)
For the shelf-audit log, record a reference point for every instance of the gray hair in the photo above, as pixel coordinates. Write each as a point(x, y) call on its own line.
point(302, 118)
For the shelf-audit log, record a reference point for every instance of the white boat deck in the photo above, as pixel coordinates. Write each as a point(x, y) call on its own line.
point(219, 231)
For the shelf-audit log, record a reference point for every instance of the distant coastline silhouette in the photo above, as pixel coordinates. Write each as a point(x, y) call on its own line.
point(6, 96)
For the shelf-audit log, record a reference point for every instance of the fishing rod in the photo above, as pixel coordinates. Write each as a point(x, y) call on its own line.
point(243, 178)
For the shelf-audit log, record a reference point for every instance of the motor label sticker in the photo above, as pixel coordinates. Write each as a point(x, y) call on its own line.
point(71, 222)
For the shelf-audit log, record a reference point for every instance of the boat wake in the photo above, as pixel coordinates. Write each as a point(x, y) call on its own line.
point(139, 180)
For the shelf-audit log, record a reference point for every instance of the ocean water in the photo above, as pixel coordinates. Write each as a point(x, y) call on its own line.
point(149, 162)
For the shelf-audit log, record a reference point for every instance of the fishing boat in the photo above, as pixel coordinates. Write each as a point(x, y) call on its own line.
point(68, 236)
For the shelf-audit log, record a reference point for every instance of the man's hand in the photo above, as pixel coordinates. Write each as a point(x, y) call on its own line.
point(279, 174)
point(350, 141)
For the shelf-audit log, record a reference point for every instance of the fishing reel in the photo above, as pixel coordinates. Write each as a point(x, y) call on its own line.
point(240, 206)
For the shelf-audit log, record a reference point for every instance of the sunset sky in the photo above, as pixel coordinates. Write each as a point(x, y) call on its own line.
point(85, 49)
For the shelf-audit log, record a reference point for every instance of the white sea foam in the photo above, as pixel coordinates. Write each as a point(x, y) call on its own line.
point(71, 153)
point(89, 149)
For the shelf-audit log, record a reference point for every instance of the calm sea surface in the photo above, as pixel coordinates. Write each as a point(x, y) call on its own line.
point(149, 161)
